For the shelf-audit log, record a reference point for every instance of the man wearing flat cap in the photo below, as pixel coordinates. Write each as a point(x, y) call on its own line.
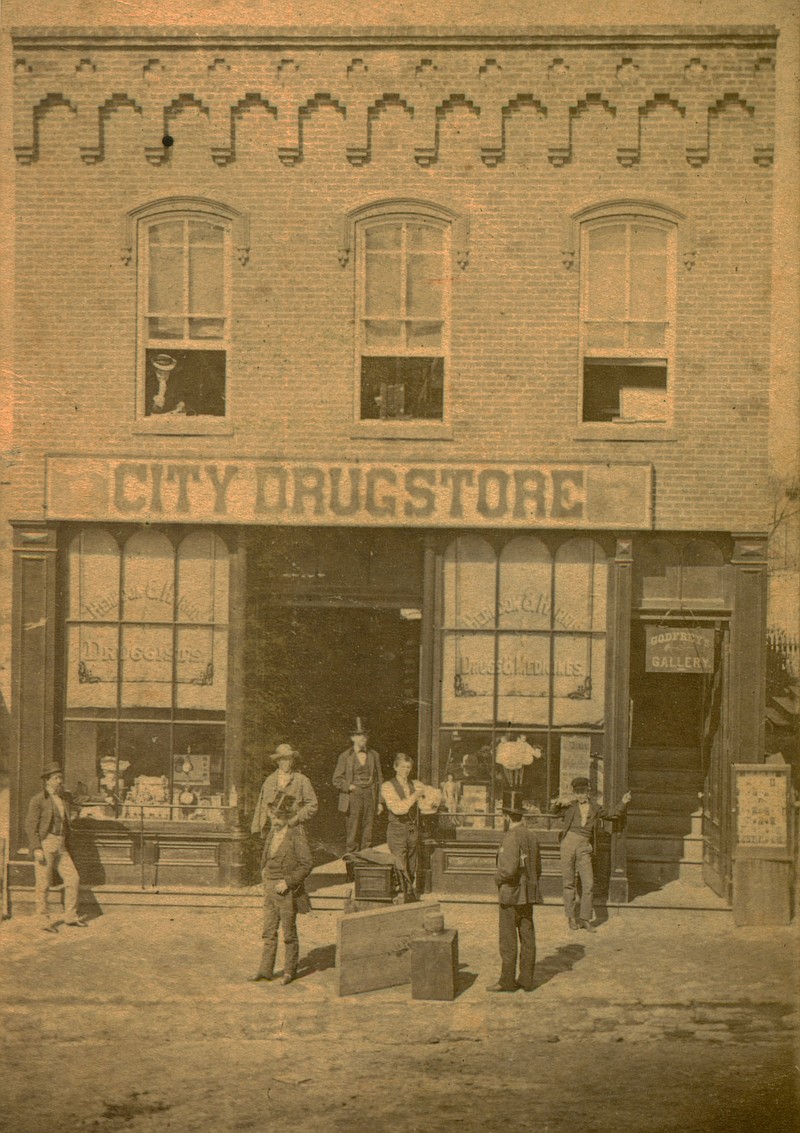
point(580, 819)
point(48, 826)
point(285, 780)
point(285, 864)
point(517, 879)
point(358, 780)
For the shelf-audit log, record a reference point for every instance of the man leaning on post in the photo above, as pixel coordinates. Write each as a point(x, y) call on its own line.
point(580, 818)
point(48, 827)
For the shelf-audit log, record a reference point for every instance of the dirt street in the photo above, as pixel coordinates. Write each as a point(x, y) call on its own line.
point(662, 1020)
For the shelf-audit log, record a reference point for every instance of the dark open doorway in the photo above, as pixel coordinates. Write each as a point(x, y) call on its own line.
point(321, 667)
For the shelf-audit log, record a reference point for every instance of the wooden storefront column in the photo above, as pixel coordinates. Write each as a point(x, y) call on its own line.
point(426, 660)
point(237, 644)
point(427, 668)
point(618, 702)
point(33, 619)
point(748, 666)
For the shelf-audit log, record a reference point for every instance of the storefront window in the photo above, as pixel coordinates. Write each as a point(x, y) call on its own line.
point(523, 656)
point(146, 682)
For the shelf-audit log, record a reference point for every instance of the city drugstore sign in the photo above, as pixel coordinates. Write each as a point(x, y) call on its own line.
point(340, 493)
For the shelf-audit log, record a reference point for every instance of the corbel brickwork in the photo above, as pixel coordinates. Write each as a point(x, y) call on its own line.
point(629, 76)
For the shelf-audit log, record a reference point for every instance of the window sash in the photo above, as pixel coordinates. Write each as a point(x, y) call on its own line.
point(202, 328)
point(404, 319)
point(626, 323)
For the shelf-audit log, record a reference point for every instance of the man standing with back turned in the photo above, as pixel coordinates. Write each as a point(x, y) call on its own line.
point(517, 878)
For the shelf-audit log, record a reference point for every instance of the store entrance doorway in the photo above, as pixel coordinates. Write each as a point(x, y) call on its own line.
point(666, 768)
point(320, 667)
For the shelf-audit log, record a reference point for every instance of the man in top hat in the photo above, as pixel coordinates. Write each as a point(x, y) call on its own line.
point(285, 780)
point(517, 879)
point(48, 827)
point(580, 820)
point(285, 864)
point(358, 780)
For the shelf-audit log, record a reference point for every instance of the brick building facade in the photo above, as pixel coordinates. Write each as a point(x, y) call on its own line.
point(422, 376)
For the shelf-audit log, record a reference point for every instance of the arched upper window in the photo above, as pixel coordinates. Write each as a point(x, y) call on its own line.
point(184, 248)
point(628, 257)
point(403, 284)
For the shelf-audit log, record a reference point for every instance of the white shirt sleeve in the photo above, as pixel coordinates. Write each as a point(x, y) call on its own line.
point(393, 801)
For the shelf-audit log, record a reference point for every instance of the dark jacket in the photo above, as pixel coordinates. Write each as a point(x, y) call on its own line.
point(41, 818)
point(293, 861)
point(345, 773)
point(519, 867)
point(571, 818)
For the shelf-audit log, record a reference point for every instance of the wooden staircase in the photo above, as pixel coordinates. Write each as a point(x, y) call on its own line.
point(664, 829)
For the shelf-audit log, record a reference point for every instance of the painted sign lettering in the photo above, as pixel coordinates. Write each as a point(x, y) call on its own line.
point(679, 650)
point(350, 494)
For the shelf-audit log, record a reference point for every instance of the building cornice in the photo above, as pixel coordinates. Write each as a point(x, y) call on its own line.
point(392, 38)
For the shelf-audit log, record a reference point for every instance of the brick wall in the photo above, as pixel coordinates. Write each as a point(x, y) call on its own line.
point(519, 138)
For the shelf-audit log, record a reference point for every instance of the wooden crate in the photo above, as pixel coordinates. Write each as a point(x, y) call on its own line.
point(373, 949)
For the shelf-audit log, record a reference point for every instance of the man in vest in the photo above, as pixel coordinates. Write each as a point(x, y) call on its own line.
point(358, 780)
point(579, 821)
point(401, 796)
point(48, 828)
point(517, 879)
point(286, 863)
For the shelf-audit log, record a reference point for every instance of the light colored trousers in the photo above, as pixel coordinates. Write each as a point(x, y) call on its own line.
point(56, 857)
point(576, 857)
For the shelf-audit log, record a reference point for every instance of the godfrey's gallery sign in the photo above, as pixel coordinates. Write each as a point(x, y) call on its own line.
point(327, 493)
point(673, 650)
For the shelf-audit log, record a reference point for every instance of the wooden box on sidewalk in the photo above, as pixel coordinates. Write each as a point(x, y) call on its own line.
point(434, 965)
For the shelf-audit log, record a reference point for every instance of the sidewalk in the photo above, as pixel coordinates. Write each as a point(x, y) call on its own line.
point(153, 1003)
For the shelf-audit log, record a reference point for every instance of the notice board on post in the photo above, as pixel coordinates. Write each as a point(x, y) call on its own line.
point(761, 797)
point(762, 864)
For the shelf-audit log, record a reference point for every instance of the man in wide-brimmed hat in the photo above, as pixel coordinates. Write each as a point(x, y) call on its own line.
point(48, 826)
point(517, 879)
point(285, 865)
point(579, 821)
point(358, 780)
point(285, 780)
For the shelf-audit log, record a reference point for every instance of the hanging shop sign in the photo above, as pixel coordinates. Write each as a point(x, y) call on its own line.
point(324, 493)
point(679, 650)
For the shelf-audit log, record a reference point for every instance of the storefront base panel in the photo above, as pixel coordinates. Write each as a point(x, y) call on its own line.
point(152, 859)
point(470, 868)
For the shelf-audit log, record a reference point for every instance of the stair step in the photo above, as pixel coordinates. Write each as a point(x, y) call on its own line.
point(667, 802)
point(678, 758)
point(655, 823)
point(642, 847)
point(664, 779)
point(661, 873)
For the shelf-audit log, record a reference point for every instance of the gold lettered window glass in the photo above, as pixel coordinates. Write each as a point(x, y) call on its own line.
point(523, 678)
point(579, 677)
point(148, 598)
point(201, 667)
point(148, 578)
point(93, 610)
point(581, 586)
point(468, 683)
point(525, 575)
point(470, 574)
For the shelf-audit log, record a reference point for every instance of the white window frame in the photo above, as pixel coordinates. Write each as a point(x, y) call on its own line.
point(455, 230)
point(632, 355)
point(235, 235)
